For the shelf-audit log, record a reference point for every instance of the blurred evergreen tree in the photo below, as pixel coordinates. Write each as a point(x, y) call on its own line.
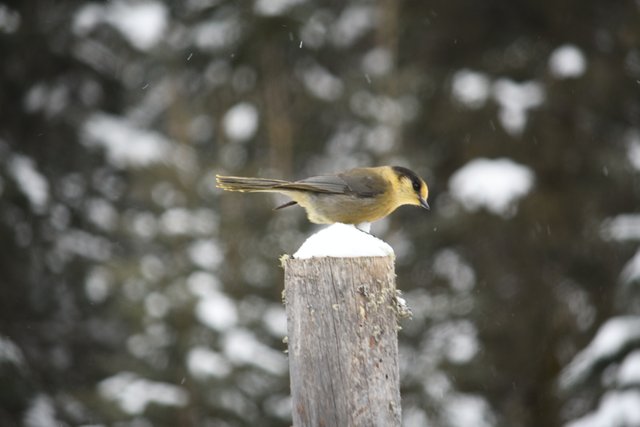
point(135, 294)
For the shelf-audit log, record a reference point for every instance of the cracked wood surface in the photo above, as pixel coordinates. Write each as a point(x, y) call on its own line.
point(343, 341)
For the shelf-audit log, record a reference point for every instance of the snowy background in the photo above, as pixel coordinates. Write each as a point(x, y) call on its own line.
point(133, 293)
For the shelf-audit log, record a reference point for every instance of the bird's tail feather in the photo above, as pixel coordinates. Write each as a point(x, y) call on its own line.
point(239, 183)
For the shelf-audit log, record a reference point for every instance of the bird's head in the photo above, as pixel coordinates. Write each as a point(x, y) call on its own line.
point(411, 189)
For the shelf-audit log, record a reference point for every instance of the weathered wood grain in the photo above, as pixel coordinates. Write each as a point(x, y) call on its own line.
point(343, 345)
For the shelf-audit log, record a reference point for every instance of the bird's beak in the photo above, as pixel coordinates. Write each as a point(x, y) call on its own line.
point(424, 204)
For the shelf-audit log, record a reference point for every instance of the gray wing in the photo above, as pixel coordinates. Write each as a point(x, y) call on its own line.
point(363, 183)
point(356, 182)
point(322, 184)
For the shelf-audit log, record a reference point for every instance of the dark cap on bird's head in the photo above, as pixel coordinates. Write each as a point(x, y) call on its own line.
point(418, 186)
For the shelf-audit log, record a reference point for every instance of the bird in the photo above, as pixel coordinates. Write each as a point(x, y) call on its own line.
point(356, 196)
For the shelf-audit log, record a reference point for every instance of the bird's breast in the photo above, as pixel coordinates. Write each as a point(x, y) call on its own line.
point(348, 209)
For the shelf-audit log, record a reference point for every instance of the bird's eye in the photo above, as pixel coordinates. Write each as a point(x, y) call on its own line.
point(416, 185)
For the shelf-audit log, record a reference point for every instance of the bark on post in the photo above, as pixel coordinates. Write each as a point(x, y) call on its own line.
point(343, 341)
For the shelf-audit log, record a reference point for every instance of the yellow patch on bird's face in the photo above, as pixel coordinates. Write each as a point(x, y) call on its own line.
point(424, 191)
point(407, 192)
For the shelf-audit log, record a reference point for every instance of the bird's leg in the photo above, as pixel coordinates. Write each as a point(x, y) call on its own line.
point(286, 205)
point(364, 226)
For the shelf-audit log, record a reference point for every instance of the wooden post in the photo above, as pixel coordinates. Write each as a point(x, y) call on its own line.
point(343, 341)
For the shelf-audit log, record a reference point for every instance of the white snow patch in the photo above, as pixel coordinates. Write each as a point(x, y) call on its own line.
point(217, 311)
point(275, 7)
point(633, 149)
point(629, 372)
point(353, 22)
point(241, 347)
point(10, 352)
point(142, 23)
point(215, 35)
point(75, 242)
point(380, 139)
point(463, 410)
point(50, 99)
point(384, 109)
point(98, 284)
point(31, 182)
point(414, 417)
point(470, 88)
point(101, 213)
point(631, 270)
point(611, 338)
point(567, 61)
point(152, 341)
point(275, 320)
point(87, 17)
point(377, 62)
point(143, 225)
point(125, 144)
point(152, 267)
point(214, 309)
point(492, 184)
point(342, 240)
point(621, 227)
point(515, 99)
point(449, 265)
point(9, 20)
point(314, 31)
point(176, 221)
point(462, 345)
point(321, 83)
point(157, 305)
point(206, 254)
point(202, 284)
point(617, 408)
point(40, 413)
point(203, 363)
point(133, 393)
point(241, 122)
